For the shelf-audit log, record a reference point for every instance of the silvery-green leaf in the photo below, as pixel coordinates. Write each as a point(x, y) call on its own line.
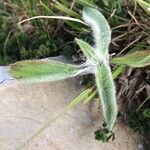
point(101, 30)
point(87, 50)
point(43, 70)
point(107, 94)
point(134, 59)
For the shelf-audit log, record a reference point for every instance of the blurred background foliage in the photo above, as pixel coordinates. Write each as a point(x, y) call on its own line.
point(44, 37)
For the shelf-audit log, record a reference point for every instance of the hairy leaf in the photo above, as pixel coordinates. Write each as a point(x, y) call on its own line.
point(135, 59)
point(43, 70)
point(101, 30)
point(104, 79)
point(87, 50)
point(106, 90)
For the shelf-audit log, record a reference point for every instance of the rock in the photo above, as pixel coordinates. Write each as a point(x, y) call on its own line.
point(25, 109)
point(5, 77)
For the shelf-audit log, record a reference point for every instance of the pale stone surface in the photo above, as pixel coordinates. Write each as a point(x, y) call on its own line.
point(5, 77)
point(24, 109)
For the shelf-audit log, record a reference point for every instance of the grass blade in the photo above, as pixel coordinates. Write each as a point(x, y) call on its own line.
point(82, 96)
point(66, 10)
point(118, 71)
point(47, 8)
point(53, 17)
point(145, 6)
point(91, 96)
point(86, 3)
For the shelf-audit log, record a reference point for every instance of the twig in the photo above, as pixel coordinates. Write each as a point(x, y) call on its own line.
point(130, 44)
point(120, 26)
point(61, 46)
point(72, 4)
point(134, 19)
point(112, 14)
point(120, 36)
point(6, 80)
point(143, 103)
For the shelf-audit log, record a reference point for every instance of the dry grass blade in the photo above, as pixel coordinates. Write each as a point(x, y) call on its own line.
point(130, 44)
point(53, 17)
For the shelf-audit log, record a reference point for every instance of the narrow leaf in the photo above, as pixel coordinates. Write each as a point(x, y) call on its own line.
point(72, 25)
point(43, 70)
point(106, 90)
point(91, 96)
point(135, 59)
point(101, 30)
point(145, 6)
point(87, 50)
point(118, 71)
point(86, 3)
point(65, 10)
point(82, 96)
point(47, 8)
point(53, 17)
